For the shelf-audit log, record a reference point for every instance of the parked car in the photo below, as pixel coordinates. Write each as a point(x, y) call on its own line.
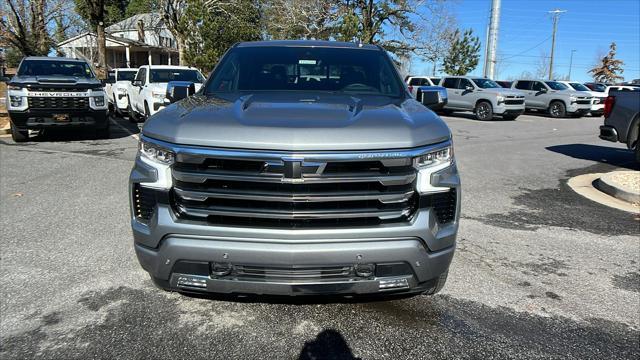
point(504, 84)
point(554, 98)
point(116, 87)
point(302, 167)
point(423, 89)
point(598, 98)
point(482, 96)
point(597, 87)
point(622, 119)
point(53, 92)
point(146, 93)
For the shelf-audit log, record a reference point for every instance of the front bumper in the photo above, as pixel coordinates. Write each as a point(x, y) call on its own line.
point(509, 109)
point(40, 119)
point(579, 108)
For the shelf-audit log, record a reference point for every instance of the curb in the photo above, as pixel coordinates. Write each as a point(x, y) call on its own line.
point(607, 185)
point(583, 185)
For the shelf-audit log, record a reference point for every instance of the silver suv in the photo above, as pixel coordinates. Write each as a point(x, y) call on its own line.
point(482, 96)
point(554, 97)
point(300, 167)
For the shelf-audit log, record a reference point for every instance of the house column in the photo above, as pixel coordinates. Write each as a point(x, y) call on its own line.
point(127, 56)
point(149, 52)
point(169, 56)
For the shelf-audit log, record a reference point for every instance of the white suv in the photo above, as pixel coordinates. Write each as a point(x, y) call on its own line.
point(116, 88)
point(147, 92)
point(597, 103)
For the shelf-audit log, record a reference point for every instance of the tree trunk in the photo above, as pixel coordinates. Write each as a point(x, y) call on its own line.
point(180, 44)
point(42, 42)
point(102, 51)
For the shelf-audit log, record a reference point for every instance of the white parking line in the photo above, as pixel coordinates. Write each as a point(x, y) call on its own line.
point(135, 136)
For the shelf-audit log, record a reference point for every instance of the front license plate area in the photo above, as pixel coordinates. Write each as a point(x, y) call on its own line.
point(61, 117)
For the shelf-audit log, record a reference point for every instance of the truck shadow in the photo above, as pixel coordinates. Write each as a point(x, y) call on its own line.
point(328, 344)
point(119, 128)
point(619, 157)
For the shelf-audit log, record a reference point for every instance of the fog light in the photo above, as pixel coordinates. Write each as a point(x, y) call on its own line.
point(364, 270)
point(220, 269)
point(393, 284)
point(192, 281)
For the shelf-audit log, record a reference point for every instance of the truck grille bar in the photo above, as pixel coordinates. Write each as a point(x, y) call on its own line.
point(58, 103)
point(291, 191)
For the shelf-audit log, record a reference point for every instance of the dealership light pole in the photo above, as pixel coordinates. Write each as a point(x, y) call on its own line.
point(492, 40)
point(556, 15)
point(571, 63)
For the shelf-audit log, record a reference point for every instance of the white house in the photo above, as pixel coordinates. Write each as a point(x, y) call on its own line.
point(142, 39)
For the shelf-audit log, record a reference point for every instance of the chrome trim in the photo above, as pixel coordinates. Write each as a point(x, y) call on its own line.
point(185, 153)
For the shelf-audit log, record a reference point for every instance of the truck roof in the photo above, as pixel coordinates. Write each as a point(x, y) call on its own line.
point(308, 43)
point(53, 58)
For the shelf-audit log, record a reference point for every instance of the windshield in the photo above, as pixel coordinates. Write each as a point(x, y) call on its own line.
point(486, 83)
point(353, 71)
point(55, 68)
point(126, 75)
point(556, 85)
point(599, 87)
point(167, 75)
point(579, 87)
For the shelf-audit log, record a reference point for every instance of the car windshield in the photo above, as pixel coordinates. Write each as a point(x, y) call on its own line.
point(126, 75)
point(556, 85)
point(167, 75)
point(599, 87)
point(55, 68)
point(353, 71)
point(486, 83)
point(579, 87)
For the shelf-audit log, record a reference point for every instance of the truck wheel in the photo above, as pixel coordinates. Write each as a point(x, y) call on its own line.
point(557, 109)
point(509, 117)
point(638, 152)
point(484, 111)
point(133, 117)
point(19, 135)
point(442, 279)
point(146, 111)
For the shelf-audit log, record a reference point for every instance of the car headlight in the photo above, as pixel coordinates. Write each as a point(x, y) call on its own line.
point(430, 163)
point(573, 99)
point(158, 95)
point(156, 153)
point(15, 101)
point(500, 99)
point(14, 87)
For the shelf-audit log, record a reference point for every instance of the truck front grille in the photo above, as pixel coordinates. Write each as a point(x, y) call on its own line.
point(514, 101)
point(58, 103)
point(261, 273)
point(583, 101)
point(293, 194)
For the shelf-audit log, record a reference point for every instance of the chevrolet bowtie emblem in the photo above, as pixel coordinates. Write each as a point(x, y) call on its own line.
point(294, 170)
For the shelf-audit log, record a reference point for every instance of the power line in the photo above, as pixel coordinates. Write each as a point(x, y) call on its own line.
point(529, 49)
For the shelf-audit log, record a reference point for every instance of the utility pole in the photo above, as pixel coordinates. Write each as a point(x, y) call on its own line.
point(571, 63)
point(492, 40)
point(556, 15)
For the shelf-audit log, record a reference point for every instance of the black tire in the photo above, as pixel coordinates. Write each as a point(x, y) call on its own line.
point(133, 117)
point(19, 135)
point(557, 110)
point(484, 111)
point(638, 152)
point(442, 279)
point(103, 133)
point(509, 117)
point(146, 111)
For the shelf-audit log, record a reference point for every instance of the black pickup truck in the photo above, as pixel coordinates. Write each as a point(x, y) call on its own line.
point(622, 119)
point(55, 92)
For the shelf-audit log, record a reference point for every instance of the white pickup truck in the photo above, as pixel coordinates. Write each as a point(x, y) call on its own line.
point(147, 92)
point(116, 88)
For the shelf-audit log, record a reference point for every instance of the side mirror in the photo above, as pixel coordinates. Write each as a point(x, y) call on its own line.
point(544, 90)
point(430, 98)
point(136, 82)
point(469, 88)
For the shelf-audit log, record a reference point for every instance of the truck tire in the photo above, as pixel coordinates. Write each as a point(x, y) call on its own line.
point(484, 111)
point(557, 109)
point(133, 117)
point(19, 135)
point(638, 152)
point(442, 279)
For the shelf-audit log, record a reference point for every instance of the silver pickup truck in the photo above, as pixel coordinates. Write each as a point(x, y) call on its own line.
point(622, 119)
point(555, 98)
point(300, 167)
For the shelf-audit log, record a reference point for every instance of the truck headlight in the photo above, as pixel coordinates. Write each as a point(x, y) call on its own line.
point(156, 153)
point(158, 95)
point(430, 163)
point(98, 100)
point(15, 101)
point(500, 99)
point(573, 99)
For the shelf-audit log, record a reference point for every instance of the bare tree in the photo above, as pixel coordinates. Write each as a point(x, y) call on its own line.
point(97, 14)
point(172, 12)
point(300, 19)
point(435, 31)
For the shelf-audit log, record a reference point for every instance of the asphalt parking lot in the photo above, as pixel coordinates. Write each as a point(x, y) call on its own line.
point(539, 272)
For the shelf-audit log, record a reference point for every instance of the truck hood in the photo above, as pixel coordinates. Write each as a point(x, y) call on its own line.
point(56, 81)
point(297, 122)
